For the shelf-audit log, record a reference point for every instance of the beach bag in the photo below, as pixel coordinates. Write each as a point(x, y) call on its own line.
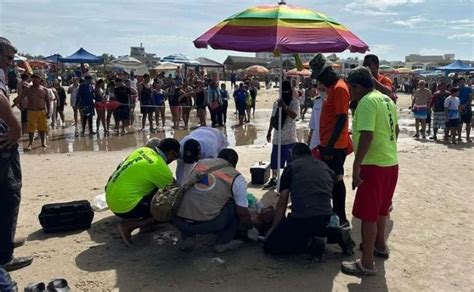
point(60, 217)
point(166, 201)
point(215, 105)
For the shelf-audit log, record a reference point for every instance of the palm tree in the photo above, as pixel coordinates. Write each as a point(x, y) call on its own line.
point(107, 58)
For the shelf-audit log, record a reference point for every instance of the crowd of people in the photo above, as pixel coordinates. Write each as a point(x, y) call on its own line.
point(444, 105)
point(216, 200)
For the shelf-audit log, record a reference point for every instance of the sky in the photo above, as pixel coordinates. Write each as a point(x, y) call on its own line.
point(391, 28)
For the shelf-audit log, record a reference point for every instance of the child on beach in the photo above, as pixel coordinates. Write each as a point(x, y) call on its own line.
point(420, 107)
point(452, 108)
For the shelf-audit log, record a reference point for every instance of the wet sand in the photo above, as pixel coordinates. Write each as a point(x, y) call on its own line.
point(430, 232)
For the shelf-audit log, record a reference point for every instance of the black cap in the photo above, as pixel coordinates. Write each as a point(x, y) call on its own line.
point(191, 151)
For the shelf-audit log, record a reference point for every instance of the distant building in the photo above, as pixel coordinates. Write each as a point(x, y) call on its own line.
point(150, 60)
point(241, 62)
point(305, 57)
point(445, 59)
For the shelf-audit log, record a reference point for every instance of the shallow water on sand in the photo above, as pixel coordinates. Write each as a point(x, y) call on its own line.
point(65, 140)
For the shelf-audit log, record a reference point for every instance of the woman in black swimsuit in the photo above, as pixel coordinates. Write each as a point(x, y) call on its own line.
point(200, 100)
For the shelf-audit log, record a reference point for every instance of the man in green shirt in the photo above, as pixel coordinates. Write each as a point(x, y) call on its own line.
point(375, 170)
point(132, 186)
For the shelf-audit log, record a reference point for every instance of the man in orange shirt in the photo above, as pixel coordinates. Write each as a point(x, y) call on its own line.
point(381, 82)
point(334, 133)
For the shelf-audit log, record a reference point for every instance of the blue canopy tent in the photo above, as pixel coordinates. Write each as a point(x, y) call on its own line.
point(53, 58)
point(82, 56)
point(457, 66)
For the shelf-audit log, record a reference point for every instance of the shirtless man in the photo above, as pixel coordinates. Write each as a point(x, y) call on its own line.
point(25, 83)
point(38, 109)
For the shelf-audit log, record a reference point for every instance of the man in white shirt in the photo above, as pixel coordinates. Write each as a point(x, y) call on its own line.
point(313, 137)
point(204, 142)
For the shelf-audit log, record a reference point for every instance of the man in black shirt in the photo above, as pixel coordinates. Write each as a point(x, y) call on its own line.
point(309, 182)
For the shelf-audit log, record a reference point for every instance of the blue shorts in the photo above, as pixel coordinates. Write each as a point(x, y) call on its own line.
point(421, 113)
point(286, 151)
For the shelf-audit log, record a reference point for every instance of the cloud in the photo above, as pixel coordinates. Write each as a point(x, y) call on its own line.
point(460, 36)
point(461, 24)
point(378, 5)
point(412, 22)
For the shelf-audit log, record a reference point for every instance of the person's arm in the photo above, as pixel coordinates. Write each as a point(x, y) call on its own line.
point(47, 101)
point(270, 128)
point(385, 89)
point(10, 138)
point(341, 120)
point(239, 194)
point(308, 140)
point(365, 140)
point(290, 112)
point(280, 210)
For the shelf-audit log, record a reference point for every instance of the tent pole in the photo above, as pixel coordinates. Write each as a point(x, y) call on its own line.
point(279, 124)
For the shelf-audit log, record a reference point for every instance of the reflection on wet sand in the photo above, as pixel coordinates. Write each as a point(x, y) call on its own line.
point(66, 141)
point(254, 133)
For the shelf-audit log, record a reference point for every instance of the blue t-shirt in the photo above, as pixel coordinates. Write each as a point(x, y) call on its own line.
point(86, 95)
point(159, 98)
point(240, 96)
point(464, 93)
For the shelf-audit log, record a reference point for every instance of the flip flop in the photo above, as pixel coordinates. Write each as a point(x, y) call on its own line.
point(125, 239)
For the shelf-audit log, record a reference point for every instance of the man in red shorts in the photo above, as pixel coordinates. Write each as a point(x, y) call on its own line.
point(375, 170)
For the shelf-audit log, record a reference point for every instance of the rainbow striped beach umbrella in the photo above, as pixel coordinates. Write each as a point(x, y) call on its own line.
point(281, 28)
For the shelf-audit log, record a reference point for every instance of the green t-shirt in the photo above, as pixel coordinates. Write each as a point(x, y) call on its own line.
point(377, 113)
point(139, 175)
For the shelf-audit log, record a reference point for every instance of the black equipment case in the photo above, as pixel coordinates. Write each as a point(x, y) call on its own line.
point(260, 173)
point(68, 216)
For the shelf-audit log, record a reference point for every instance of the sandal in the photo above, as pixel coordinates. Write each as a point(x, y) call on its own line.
point(355, 268)
point(378, 253)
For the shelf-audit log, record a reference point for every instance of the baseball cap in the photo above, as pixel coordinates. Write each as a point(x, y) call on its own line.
point(191, 151)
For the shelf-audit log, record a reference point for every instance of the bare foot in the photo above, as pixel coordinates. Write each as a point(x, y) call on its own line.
point(125, 234)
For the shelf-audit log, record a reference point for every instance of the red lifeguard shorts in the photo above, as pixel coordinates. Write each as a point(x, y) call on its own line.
point(374, 196)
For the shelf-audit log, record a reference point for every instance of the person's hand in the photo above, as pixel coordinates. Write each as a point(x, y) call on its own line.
point(356, 180)
point(269, 137)
point(9, 139)
point(327, 153)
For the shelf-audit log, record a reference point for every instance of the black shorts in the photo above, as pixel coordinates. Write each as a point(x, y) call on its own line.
point(337, 161)
point(147, 109)
point(141, 210)
point(452, 123)
point(241, 108)
point(466, 117)
point(122, 113)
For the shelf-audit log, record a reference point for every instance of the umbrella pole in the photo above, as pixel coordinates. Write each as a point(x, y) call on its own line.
point(279, 125)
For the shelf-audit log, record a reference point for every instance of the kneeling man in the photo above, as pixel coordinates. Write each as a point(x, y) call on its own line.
point(132, 186)
point(309, 182)
point(217, 203)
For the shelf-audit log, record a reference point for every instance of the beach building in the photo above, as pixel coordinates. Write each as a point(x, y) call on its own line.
point(305, 57)
point(150, 60)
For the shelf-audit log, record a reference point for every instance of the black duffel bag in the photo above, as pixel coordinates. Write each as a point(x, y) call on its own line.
point(68, 216)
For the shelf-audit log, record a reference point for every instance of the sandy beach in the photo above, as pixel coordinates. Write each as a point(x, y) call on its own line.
point(430, 232)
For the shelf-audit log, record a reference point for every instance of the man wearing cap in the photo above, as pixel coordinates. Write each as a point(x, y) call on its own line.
point(204, 142)
point(217, 203)
point(133, 184)
point(10, 170)
point(38, 109)
point(334, 132)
